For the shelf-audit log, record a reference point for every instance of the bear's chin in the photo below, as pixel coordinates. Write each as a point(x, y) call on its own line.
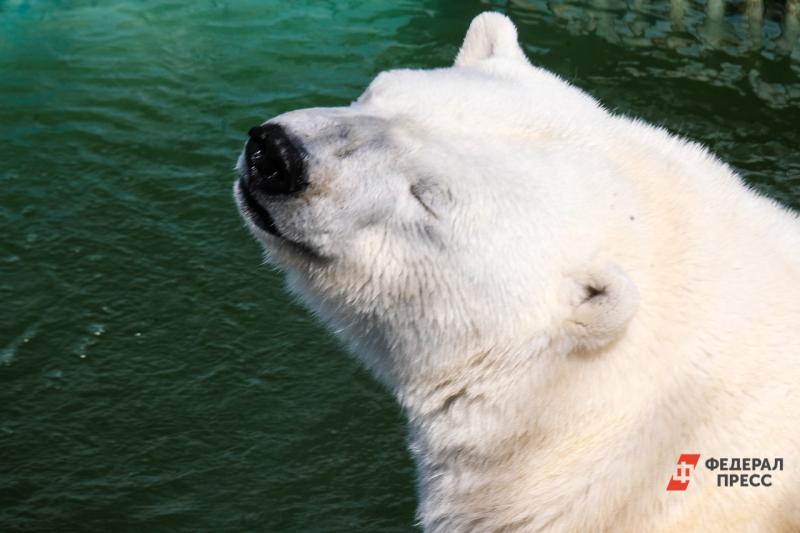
point(261, 224)
point(286, 253)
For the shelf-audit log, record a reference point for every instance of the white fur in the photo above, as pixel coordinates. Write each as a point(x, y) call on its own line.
point(562, 300)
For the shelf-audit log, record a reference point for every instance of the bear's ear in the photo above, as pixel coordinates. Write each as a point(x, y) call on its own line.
point(490, 35)
point(603, 300)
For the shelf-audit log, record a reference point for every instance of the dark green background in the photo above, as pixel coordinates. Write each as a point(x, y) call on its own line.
point(154, 376)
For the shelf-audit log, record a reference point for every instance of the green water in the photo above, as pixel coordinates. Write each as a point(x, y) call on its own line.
point(153, 374)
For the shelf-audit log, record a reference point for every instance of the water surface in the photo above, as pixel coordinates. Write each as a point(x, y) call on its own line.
point(153, 373)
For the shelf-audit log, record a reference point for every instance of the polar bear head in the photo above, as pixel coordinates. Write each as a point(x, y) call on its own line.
point(448, 212)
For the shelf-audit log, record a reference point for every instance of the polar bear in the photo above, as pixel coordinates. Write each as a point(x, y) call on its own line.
point(563, 300)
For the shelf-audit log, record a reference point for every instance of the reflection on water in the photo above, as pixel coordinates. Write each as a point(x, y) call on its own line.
point(750, 32)
point(734, 26)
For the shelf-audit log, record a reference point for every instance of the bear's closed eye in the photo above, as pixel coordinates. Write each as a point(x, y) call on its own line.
point(419, 192)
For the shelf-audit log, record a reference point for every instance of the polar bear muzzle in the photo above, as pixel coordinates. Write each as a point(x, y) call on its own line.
point(274, 170)
point(275, 161)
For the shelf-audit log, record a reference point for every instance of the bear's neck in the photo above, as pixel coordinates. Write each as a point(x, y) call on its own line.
point(473, 423)
point(488, 438)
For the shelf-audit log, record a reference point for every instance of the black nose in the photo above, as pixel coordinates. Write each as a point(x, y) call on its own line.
point(275, 162)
